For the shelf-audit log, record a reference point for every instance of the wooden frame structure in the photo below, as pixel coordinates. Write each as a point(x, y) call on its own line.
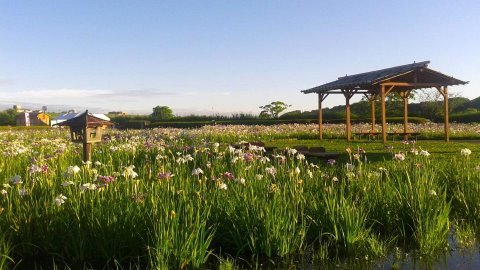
point(401, 79)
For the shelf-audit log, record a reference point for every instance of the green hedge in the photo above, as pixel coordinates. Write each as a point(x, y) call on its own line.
point(192, 124)
point(131, 124)
point(471, 117)
point(140, 124)
point(267, 122)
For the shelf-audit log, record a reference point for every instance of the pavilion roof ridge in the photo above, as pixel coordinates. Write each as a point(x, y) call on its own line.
point(409, 66)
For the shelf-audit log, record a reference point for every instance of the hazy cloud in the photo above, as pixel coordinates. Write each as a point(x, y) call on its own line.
point(57, 94)
point(7, 81)
point(139, 93)
point(123, 99)
point(191, 93)
point(220, 94)
point(52, 94)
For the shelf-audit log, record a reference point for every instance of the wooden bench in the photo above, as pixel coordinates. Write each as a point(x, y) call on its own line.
point(370, 134)
point(301, 148)
point(374, 134)
point(401, 133)
point(315, 151)
point(270, 149)
point(247, 145)
point(322, 155)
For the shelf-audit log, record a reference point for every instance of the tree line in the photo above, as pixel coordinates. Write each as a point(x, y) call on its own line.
point(431, 110)
point(430, 107)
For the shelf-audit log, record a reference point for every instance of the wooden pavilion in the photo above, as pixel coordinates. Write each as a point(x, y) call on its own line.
point(380, 83)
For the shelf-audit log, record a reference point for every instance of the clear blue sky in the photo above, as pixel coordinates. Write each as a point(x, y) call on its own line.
point(222, 56)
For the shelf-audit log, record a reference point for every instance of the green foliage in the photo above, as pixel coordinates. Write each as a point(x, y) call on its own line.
point(343, 222)
point(189, 124)
point(131, 121)
point(273, 109)
point(475, 103)
point(459, 104)
point(132, 124)
point(5, 251)
point(180, 235)
point(24, 127)
point(424, 206)
point(467, 117)
point(7, 117)
point(270, 122)
point(270, 223)
point(227, 264)
point(245, 202)
point(161, 113)
point(464, 189)
point(264, 115)
point(465, 234)
point(248, 122)
point(216, 117)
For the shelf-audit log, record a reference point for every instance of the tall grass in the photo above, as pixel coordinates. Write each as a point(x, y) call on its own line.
point(425, 209)
point(5, 251)
point(167, 199)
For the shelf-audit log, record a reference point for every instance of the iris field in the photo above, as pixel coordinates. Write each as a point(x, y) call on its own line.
point(173, 198)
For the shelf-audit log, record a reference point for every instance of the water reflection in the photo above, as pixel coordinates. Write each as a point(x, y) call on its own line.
point(457, 258)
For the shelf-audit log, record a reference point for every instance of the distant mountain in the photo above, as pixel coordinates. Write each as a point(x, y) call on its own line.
point(475, 103)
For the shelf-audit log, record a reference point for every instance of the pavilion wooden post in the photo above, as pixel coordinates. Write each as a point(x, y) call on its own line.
point(384, 117)
point(405, 94)
point(372, 98)
point(87, 147)
point(445, 106)
point(348, 95)
point(321, 97)
point(372, 104)
point(444, 91)
point(347, 108)
point(87, 152)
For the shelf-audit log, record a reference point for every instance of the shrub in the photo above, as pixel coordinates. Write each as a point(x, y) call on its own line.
point(132, 124)
point(469, 117)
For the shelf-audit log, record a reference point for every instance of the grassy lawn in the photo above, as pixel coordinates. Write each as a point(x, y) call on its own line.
point(378, 152)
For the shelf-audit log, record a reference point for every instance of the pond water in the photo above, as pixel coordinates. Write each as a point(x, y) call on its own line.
point(456, 257)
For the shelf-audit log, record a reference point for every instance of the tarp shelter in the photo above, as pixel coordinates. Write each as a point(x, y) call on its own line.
point(380, 83)
point(67, 116)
